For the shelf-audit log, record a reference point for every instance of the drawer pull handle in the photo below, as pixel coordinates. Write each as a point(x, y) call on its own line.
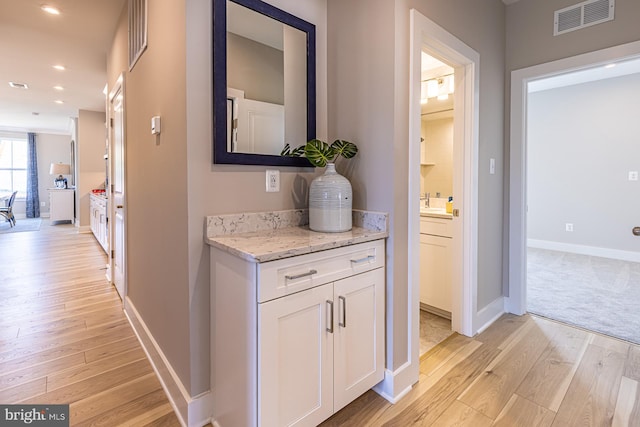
point(343, 323)
point(365, 259)
point(298, 276)
point(330, 307)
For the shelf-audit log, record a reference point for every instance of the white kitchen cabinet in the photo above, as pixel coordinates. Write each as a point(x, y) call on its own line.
point(436, 264)
point(61, 205)
point(296, 339)
point(98, 220)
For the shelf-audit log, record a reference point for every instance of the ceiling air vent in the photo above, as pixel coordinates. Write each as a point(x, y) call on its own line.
point(582, 15)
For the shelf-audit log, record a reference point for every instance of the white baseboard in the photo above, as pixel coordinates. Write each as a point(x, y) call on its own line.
point(489, 314)
point(84, 228)
point(397, 384)
point(191, 411)
point(585, 250)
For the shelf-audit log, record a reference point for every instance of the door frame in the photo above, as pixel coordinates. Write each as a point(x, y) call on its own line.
point(516, 301)
point(428, 36)
point(118, 87)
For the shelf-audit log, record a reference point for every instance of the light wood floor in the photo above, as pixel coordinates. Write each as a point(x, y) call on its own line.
point(522, 371)
point(64, 337)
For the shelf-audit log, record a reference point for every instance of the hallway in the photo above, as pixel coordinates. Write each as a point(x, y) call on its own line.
point(64, 337)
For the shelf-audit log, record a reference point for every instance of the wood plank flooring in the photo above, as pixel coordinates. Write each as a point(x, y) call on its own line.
point(64, 337)
point(522, 371)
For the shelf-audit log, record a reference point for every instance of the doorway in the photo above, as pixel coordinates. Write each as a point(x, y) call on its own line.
point(117, 211)
point(520, 79)
point(430, 38)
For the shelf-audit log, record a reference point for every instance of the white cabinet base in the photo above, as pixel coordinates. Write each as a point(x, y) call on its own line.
point(61, 205)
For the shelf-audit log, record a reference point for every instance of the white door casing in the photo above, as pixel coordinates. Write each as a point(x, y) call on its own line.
point(429, 37)
point(117, 196)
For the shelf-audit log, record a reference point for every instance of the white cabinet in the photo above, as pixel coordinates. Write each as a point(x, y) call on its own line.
point(436, 263)
point(61, 205)
point(98, 220)
point(317, 321)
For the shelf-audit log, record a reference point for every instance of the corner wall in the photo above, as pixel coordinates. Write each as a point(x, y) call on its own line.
point(90, 164)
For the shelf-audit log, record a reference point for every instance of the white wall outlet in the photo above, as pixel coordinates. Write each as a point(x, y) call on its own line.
point(43, 204)
point(568, 227)
point(492, 166)
point(633, 175)
point(273, 181)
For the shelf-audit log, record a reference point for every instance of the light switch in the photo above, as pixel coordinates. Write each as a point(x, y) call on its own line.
point(155, 125)
point(633, 175)
point(492, 166)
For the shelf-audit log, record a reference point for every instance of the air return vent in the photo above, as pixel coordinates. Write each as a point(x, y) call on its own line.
point(582, 15)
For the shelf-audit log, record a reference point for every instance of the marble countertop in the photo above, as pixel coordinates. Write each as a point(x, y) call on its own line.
point(269, 236)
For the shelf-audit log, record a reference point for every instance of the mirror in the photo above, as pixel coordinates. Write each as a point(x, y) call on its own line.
point(263, 83)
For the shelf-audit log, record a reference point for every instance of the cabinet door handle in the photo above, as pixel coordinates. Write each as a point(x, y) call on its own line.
point(330, 307)
point(298, 276)
point(365, 259)
point(343, 323)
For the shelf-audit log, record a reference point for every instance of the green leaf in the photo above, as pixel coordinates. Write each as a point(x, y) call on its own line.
point(319, 153)
point(344, 148)
point(297, 152)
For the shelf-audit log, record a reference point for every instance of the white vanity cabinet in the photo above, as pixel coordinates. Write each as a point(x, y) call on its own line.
point(296, 339)
point(98, 220)
point(436, 263)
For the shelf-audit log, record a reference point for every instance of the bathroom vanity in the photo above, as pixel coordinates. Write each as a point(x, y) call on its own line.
point(436, 237)
point(297, 316)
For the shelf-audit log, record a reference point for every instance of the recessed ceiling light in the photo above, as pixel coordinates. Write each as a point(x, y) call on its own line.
point(35, 113)
point(58, 101)
point(50, 9)
point(18, 85)
point(59, 67)
point(58, 87)
point(609, 65)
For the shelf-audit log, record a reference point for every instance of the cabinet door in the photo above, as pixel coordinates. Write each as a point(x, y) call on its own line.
point(295, 359)
point(359, 337)
point(435, 271)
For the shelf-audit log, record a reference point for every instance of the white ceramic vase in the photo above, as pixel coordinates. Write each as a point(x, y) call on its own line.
point(330, 202)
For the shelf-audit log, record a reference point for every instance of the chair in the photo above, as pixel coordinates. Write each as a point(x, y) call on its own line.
point(7, 211)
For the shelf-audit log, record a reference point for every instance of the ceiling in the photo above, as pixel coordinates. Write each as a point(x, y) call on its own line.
point(32, 41)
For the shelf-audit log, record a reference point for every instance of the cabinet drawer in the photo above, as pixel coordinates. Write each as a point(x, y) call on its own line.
point(290, 275)
point(436, 226)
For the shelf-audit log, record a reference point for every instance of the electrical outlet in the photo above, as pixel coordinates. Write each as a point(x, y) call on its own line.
point(633, 175)
point(273, 180)
point(43, 204)
point(568, 227)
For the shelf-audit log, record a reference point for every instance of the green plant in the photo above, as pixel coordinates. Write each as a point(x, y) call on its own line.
point(319, 153)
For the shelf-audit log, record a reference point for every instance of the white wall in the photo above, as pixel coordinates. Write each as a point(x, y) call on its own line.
point(582, 142)
point(90, 162)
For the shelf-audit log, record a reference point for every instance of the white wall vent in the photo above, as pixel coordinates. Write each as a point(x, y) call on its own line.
point(583, 15)
point(137, 30)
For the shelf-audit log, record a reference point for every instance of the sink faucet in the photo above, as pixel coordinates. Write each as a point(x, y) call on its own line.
point(426, 199)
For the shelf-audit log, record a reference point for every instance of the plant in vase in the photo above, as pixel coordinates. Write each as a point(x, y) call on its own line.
point(330, 195)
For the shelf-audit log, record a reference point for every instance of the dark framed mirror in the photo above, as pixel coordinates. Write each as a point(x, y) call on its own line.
point(264, 83)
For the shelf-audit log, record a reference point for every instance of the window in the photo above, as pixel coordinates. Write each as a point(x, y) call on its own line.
point(13, 166)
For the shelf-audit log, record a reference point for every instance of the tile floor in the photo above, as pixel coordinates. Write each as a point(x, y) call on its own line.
point(433, 330)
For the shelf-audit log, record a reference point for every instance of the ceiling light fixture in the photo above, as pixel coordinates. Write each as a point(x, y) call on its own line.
point(50, 9)
point(439, 87)
point(609, 65)
point(58, 101)
point(58, 87)
point(59, 67)
point(18, 85)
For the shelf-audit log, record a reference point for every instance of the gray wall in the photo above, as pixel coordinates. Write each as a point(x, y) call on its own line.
point(582, 142)
point(369, 103)
point(90, 161)
point(51, 149)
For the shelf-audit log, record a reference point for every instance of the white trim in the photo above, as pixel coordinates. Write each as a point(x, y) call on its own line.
point(394, 385)
point(585, 250)
point(191, 411)
point(428, 36)
point(516, 302)
point(490, 314)
point(84, 228)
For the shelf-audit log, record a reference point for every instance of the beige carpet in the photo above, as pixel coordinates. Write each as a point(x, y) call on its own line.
point(599, 294)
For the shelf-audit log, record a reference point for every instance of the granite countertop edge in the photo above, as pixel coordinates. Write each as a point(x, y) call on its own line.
point(272, 245)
